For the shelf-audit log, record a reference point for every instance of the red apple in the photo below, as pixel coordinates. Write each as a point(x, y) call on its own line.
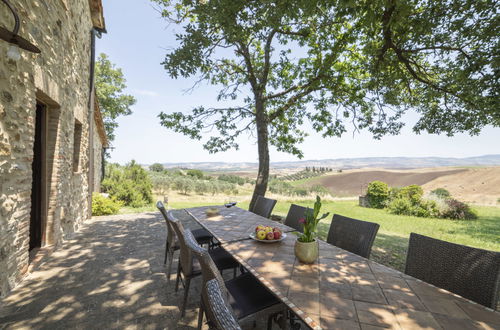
point(270, 236)
point(277, 235)
point(276, 229)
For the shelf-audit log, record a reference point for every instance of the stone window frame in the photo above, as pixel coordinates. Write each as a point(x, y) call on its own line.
point(77, 143)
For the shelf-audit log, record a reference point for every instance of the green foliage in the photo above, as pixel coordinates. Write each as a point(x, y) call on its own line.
point(129, 184)
point(232, 179)
point(195, 173)
point(377, 193)
point(310, 222)
point(102, 205)
point(281, 63)
point(412, 192)
point(441, 193)
point(156, 167)
point(458, 210)
point(109, 85)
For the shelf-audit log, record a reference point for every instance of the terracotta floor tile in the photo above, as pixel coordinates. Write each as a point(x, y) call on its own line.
point(403, 299)
point(308, 303)
point(340, 289)
point(479, 313)
point(331, 323)
point(379, 316)
point(331, 305)
point(448, 307)
point(368, 293)
point(413, 319)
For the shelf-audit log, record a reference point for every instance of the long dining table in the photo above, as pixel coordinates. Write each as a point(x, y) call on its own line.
point(340, 290)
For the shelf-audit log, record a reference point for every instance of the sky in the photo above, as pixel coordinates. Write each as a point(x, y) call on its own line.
point(138, 39)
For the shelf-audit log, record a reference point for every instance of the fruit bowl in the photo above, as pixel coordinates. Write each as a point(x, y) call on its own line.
point(283, 236)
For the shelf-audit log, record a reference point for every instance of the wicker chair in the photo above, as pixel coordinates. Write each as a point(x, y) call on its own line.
point(202, 237)
point(190, 269)
point(246, 296)
point(353, 235)
point(295, 213)
point(469, 272)
point(264, 206)
point(222, 316)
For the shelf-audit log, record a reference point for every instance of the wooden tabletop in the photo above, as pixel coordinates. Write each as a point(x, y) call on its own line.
point(342, 290)
point(232, 224)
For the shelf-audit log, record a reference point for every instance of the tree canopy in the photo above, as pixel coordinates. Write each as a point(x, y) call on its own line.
point(110, 83)
point(338, 64)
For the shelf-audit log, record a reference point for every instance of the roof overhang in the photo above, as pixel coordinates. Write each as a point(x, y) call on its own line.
point(97, 15)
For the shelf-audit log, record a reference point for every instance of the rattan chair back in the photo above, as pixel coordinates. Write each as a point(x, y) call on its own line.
point(295, 213)
point(353, 235)
point(469, 272)
point(185, 256)
point(264, 206)
point(217, 307)
point(170, 230)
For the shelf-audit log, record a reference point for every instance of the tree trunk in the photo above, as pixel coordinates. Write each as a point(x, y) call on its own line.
point(263, 148)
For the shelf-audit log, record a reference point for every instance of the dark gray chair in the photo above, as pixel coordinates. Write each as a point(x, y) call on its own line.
point(190, 268)
point(353, 235)
point(246, 296)
point(264, 206)
point(295, 213)
point(171, 245)
point(469, 272)
point(221, 315)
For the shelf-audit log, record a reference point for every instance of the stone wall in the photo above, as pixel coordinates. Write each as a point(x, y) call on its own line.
point(58, 78)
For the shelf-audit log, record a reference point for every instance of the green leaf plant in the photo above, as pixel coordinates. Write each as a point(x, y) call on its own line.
point(310, 223)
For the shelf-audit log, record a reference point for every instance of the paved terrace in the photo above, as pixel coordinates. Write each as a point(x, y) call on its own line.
point(109, 276)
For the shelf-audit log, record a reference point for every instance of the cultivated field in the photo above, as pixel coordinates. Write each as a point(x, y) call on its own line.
point(473, 185)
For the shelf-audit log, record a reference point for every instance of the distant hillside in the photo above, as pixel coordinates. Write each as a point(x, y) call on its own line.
point(349, 163)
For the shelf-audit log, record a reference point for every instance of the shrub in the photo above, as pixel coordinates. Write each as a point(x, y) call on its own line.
point(156, 167)
point(195, 173)
point(129, 184)
point(377, 193)
point(400, 206)
point(413, 192)
point(458, 210)
point(232, 179)
point(102, 205)
point(441, 193)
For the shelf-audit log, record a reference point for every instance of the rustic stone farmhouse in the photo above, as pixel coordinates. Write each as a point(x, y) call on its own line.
point(51, 130)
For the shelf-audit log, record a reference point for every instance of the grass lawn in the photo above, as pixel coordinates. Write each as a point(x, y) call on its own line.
point(392, 239)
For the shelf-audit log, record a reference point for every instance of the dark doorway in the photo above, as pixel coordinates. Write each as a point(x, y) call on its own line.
point(38, 190)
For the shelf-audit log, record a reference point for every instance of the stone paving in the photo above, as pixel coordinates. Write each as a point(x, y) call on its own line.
point(109, 276)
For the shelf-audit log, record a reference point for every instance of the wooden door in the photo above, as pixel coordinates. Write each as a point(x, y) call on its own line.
point(38, 191)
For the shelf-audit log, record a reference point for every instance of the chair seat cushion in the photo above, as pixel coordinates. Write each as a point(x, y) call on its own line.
point(202, 235)
point(248, 296)
point(222, 259)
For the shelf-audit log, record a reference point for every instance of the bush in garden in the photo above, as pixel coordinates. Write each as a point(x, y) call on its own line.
point(377, 193)
point(129, 184)
point(458, 210)
point(413, 192)
point(441, 193)
point(409, 201)
point(102, 205)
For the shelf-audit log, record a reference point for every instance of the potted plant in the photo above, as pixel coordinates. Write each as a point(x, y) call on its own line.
point(306, 246)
